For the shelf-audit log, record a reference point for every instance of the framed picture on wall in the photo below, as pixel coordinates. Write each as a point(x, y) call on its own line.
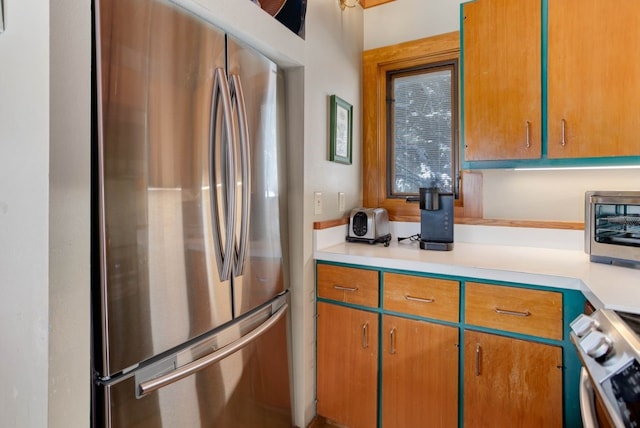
point(340, 130)
point(1, 17)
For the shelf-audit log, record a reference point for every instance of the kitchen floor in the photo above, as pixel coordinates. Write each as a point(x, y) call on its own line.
point(320, 422)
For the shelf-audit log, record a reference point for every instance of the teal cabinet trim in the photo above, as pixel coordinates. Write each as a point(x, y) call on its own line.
point(544, 56)
point(573, 302)
point(543, 161)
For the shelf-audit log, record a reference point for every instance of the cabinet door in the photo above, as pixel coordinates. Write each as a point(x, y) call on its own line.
point(594, 78)
point(511, 382)
point(347, 369)
point(419, 374)
point(502, 75)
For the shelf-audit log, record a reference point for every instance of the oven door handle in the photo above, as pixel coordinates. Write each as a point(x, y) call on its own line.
point(587, 404)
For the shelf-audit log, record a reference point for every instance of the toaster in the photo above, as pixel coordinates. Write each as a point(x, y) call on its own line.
point(370, 225)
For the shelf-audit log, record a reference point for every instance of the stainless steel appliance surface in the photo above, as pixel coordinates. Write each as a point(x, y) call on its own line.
point(190, 313)
point(608, 344)
point(612, 227)
point(370, 225)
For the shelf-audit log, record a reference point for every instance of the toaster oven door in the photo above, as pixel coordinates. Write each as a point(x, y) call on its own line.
point(614, 227)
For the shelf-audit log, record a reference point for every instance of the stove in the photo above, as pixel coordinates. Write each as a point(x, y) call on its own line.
point(608, 344)
point(631, 320)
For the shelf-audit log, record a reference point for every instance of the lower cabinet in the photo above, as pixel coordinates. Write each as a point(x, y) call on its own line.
point(347, 365)
point(398, 350)
point(419, 373)
point(511, 382)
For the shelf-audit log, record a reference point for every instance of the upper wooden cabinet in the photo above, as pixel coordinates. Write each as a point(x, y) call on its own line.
point(502, 74)
point(579, 74)
point(370, 3)
point(593, 78)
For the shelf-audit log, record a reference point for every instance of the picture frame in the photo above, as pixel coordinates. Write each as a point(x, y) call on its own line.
point(1, 16)
point(340, 130)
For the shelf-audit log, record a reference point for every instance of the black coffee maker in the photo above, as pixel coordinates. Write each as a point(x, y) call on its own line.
point(436, 219)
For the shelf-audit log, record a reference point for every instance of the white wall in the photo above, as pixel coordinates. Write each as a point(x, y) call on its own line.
point(69, 205)
point(404, 20)
point(44, 206)
point(508, 194)
point(333, 66)
point(24, 213)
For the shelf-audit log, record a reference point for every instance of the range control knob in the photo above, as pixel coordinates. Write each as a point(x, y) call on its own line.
point(583, 325)
point(597, 345)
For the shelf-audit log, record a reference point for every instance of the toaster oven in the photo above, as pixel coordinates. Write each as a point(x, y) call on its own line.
point(612, 227)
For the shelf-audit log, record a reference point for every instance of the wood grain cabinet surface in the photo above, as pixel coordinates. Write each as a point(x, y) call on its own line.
point(421, 296)
point(502, 74)
point(419, 373)
point(400, 363)
point(593, 78)
point(511, 383)
point(347, 284)
point(519, 310)
point(579, 73)
point(347, 365)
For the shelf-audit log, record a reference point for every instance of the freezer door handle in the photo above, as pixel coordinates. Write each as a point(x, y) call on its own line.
point(222, 197)
point(151, 385)
point(243, 150)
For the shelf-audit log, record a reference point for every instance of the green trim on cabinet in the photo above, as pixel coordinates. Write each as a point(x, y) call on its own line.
point(573, 302)
point(544, 57)
point(543, 161)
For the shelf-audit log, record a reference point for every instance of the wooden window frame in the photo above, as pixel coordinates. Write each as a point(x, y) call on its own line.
point(376, 63)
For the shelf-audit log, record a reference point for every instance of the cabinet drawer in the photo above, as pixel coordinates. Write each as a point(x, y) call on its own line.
point(520, 310)
point(349, 285)
point(427, 297)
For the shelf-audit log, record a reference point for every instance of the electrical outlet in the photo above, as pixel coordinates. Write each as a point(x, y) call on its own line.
point(341, 202)
point(317, 202)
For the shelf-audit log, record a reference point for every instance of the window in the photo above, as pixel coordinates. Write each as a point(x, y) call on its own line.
point(421, 129)
point(410, 127)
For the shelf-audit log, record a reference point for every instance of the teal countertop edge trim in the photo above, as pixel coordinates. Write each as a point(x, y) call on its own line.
point(573, 302)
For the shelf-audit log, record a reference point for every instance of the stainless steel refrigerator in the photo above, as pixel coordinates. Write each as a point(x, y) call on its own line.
point(190, 295)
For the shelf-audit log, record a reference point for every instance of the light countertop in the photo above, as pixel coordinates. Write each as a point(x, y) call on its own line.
point(603, 285)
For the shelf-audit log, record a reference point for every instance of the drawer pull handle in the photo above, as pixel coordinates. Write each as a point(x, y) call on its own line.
point(341, 288)
point(365, 335)
point(478, 358)
point(392, 341)
point(527, 130)
point(563, 142)
point(514, 313)
point(418, 299)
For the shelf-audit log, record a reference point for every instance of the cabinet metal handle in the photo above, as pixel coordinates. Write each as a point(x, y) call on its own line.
point(418, 299)
point(365, 335)
point(478, 357)
point(527, 130)
point(514, 313)
point(392, 341)
point(562, 125)
point(341, 288)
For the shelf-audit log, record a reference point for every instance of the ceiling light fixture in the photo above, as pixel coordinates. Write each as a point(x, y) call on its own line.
point(344, 4)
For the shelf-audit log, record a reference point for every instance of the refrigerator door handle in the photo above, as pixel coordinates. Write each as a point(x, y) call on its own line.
point(223, 252)
point(146, 387)
point(237, 99)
